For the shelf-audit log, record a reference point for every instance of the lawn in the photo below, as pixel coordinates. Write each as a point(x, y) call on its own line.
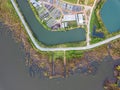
point(71, 1)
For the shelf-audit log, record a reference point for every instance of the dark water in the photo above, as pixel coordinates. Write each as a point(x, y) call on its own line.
point(14, 74)
point(45, 36)
point(111, 15)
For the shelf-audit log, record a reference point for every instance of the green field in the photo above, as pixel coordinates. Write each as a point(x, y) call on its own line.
point(71, 1)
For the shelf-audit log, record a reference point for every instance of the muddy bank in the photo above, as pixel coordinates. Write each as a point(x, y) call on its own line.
point(114, 82)
point(39, 61)
point(14, 75)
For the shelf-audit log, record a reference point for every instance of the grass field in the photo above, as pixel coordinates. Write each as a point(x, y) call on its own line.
point(71, 1)
point(86, 2)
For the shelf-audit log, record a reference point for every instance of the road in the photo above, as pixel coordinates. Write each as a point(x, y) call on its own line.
point(58, 49)
point(88, 26)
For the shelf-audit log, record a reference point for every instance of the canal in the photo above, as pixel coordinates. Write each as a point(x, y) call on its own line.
point(14, 74)
point(45, 36)
point(110, 14)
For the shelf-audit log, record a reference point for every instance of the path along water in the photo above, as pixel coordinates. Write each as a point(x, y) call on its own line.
point(58, 49)
point(14, 75)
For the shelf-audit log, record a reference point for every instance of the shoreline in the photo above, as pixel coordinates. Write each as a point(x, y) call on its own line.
point(60, 49)
point(41, 59)
point(114, 82)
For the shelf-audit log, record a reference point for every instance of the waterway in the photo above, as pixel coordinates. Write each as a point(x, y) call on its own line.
point(45, 36)
point(14, 74)
point(110, 14)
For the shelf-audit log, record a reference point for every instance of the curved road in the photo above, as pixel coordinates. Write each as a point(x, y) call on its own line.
point(57, 49)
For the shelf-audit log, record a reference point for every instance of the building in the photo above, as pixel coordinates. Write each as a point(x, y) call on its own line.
point(69, 18)
point(79, 18)
point(35, 3)
point(64, 25)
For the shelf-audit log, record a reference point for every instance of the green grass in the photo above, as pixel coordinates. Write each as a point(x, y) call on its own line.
point(58, 55)
point(97, 21)
point(94, 21)
point(74, 54)
point(72, 24)
point(71, 1)
point(96, 40)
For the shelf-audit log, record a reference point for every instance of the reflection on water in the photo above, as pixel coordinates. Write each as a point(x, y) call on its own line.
point(45, 36)
point(14, 75)
point(110, 14)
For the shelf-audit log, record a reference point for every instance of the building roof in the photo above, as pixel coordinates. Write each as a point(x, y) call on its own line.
point(80, 18)
point(69, 18)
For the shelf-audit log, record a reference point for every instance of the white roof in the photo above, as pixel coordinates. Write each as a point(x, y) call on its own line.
point(62, 25)
point(32, 1)
point(68, 18)
point(80, 20)
point(66, 24)
point(35, 5)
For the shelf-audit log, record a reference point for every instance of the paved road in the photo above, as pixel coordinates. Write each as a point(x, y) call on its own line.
point(88, 26)
point(58, 49)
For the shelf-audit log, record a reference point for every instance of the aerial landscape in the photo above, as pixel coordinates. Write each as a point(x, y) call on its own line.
point(64, 38)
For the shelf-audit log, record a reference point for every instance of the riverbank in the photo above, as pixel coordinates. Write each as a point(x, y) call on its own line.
point(38, 31)
point(114, 82)
point(53, 64)
point(14, 74)
point(98, 21)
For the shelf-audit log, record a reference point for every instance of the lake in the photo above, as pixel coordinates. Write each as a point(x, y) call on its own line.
point(14, 74)
point(110, 14)
point(45, 36)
